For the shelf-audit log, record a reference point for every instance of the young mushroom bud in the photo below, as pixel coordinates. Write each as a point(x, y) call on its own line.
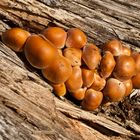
point(129, 86)
point(92, 99)
point(56, 35)
point(98, 83)
point(136, 57)
point(114, 46)
point(58, 71)
point(76, 38)
point(114, 90)
point(15, 38)
point(88, 77)
point(136, 81)
point(107, 64)
point(59, 89)
point(91, 56)
point(79, 94)
point(126, 51)
point(39, 52)
point(74, 55)
point(75, 81)
point(125, 67)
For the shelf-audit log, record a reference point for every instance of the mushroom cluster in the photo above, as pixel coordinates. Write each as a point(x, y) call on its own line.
point(73, 66)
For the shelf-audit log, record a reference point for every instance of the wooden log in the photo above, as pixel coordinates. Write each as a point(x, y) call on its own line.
point(28, 109)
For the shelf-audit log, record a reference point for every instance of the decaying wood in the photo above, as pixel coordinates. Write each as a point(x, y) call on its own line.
point(28, 109)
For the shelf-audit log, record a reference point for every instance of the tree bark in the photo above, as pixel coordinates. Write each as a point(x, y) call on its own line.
point(28, 108)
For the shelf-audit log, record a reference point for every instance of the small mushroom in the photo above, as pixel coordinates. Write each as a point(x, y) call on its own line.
point(136, 81)
point(136, 57)
point(114, 90)
point(129, 86)
point(56, 35)
point(125, 67)
point(92, 99)
point(76, 38)
point(91, 56)
point(15, 38)
point(74, 55)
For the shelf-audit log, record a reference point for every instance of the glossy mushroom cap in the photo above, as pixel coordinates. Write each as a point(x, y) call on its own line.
point(92, 99)
point(129, 86)
point(59, 89)
point(76, 38)
point(39, 52)
point(125, 67)
point(56, 35)
point(58, 71)
point(126, 51)
point(79, 94)
point(107, 64)
point(136, 57)
point(74, 55)
point(114, 90)
point(88, 77)
point(114, 46)
point(15, 38)
point(75, 81)
point(136, 81)
point(98, 83)
point(91, 56)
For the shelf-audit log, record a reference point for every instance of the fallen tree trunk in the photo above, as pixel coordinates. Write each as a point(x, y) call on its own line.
point(28, 109)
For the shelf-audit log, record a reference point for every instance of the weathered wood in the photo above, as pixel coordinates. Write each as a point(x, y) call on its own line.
point(28, 109)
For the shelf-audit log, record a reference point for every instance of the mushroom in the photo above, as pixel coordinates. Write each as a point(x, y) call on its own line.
point(125, 67)
point(15, 38)
point(39, 52)
point(126, 51)
point(107, 64)
point(129, 86)
point(114, 46)
point(87, 76)
point(92, 99)
point(79, 94)
point(56, 35)
point(91, 56)
point(114, 90)
point(76, 38)
point(136, 57)
point(58, 71)
point(98, 83)
point(75, 81)
point(136, 81)
point(59, 89)
point(74, 55)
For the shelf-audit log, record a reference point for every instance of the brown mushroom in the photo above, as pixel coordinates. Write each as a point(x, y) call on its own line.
point(126, 51)
point(75, 81)
point(92, 99)
point(114, 90)
point(56, 35)
point(125, 67)
point(87, 76)
point(74, 55)
point(58, 71)
point(91, 56)
point(76, 38)
point(98, 83)
point(15, 38)
point(136, 81)
point(79, 94)
point(114, 46)
point(107, 64)
point(39, 52)
point(129, 86)
point(59, 89)
point(136, 57)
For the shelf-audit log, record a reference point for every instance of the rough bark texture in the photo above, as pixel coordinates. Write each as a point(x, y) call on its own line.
point(28, 109)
